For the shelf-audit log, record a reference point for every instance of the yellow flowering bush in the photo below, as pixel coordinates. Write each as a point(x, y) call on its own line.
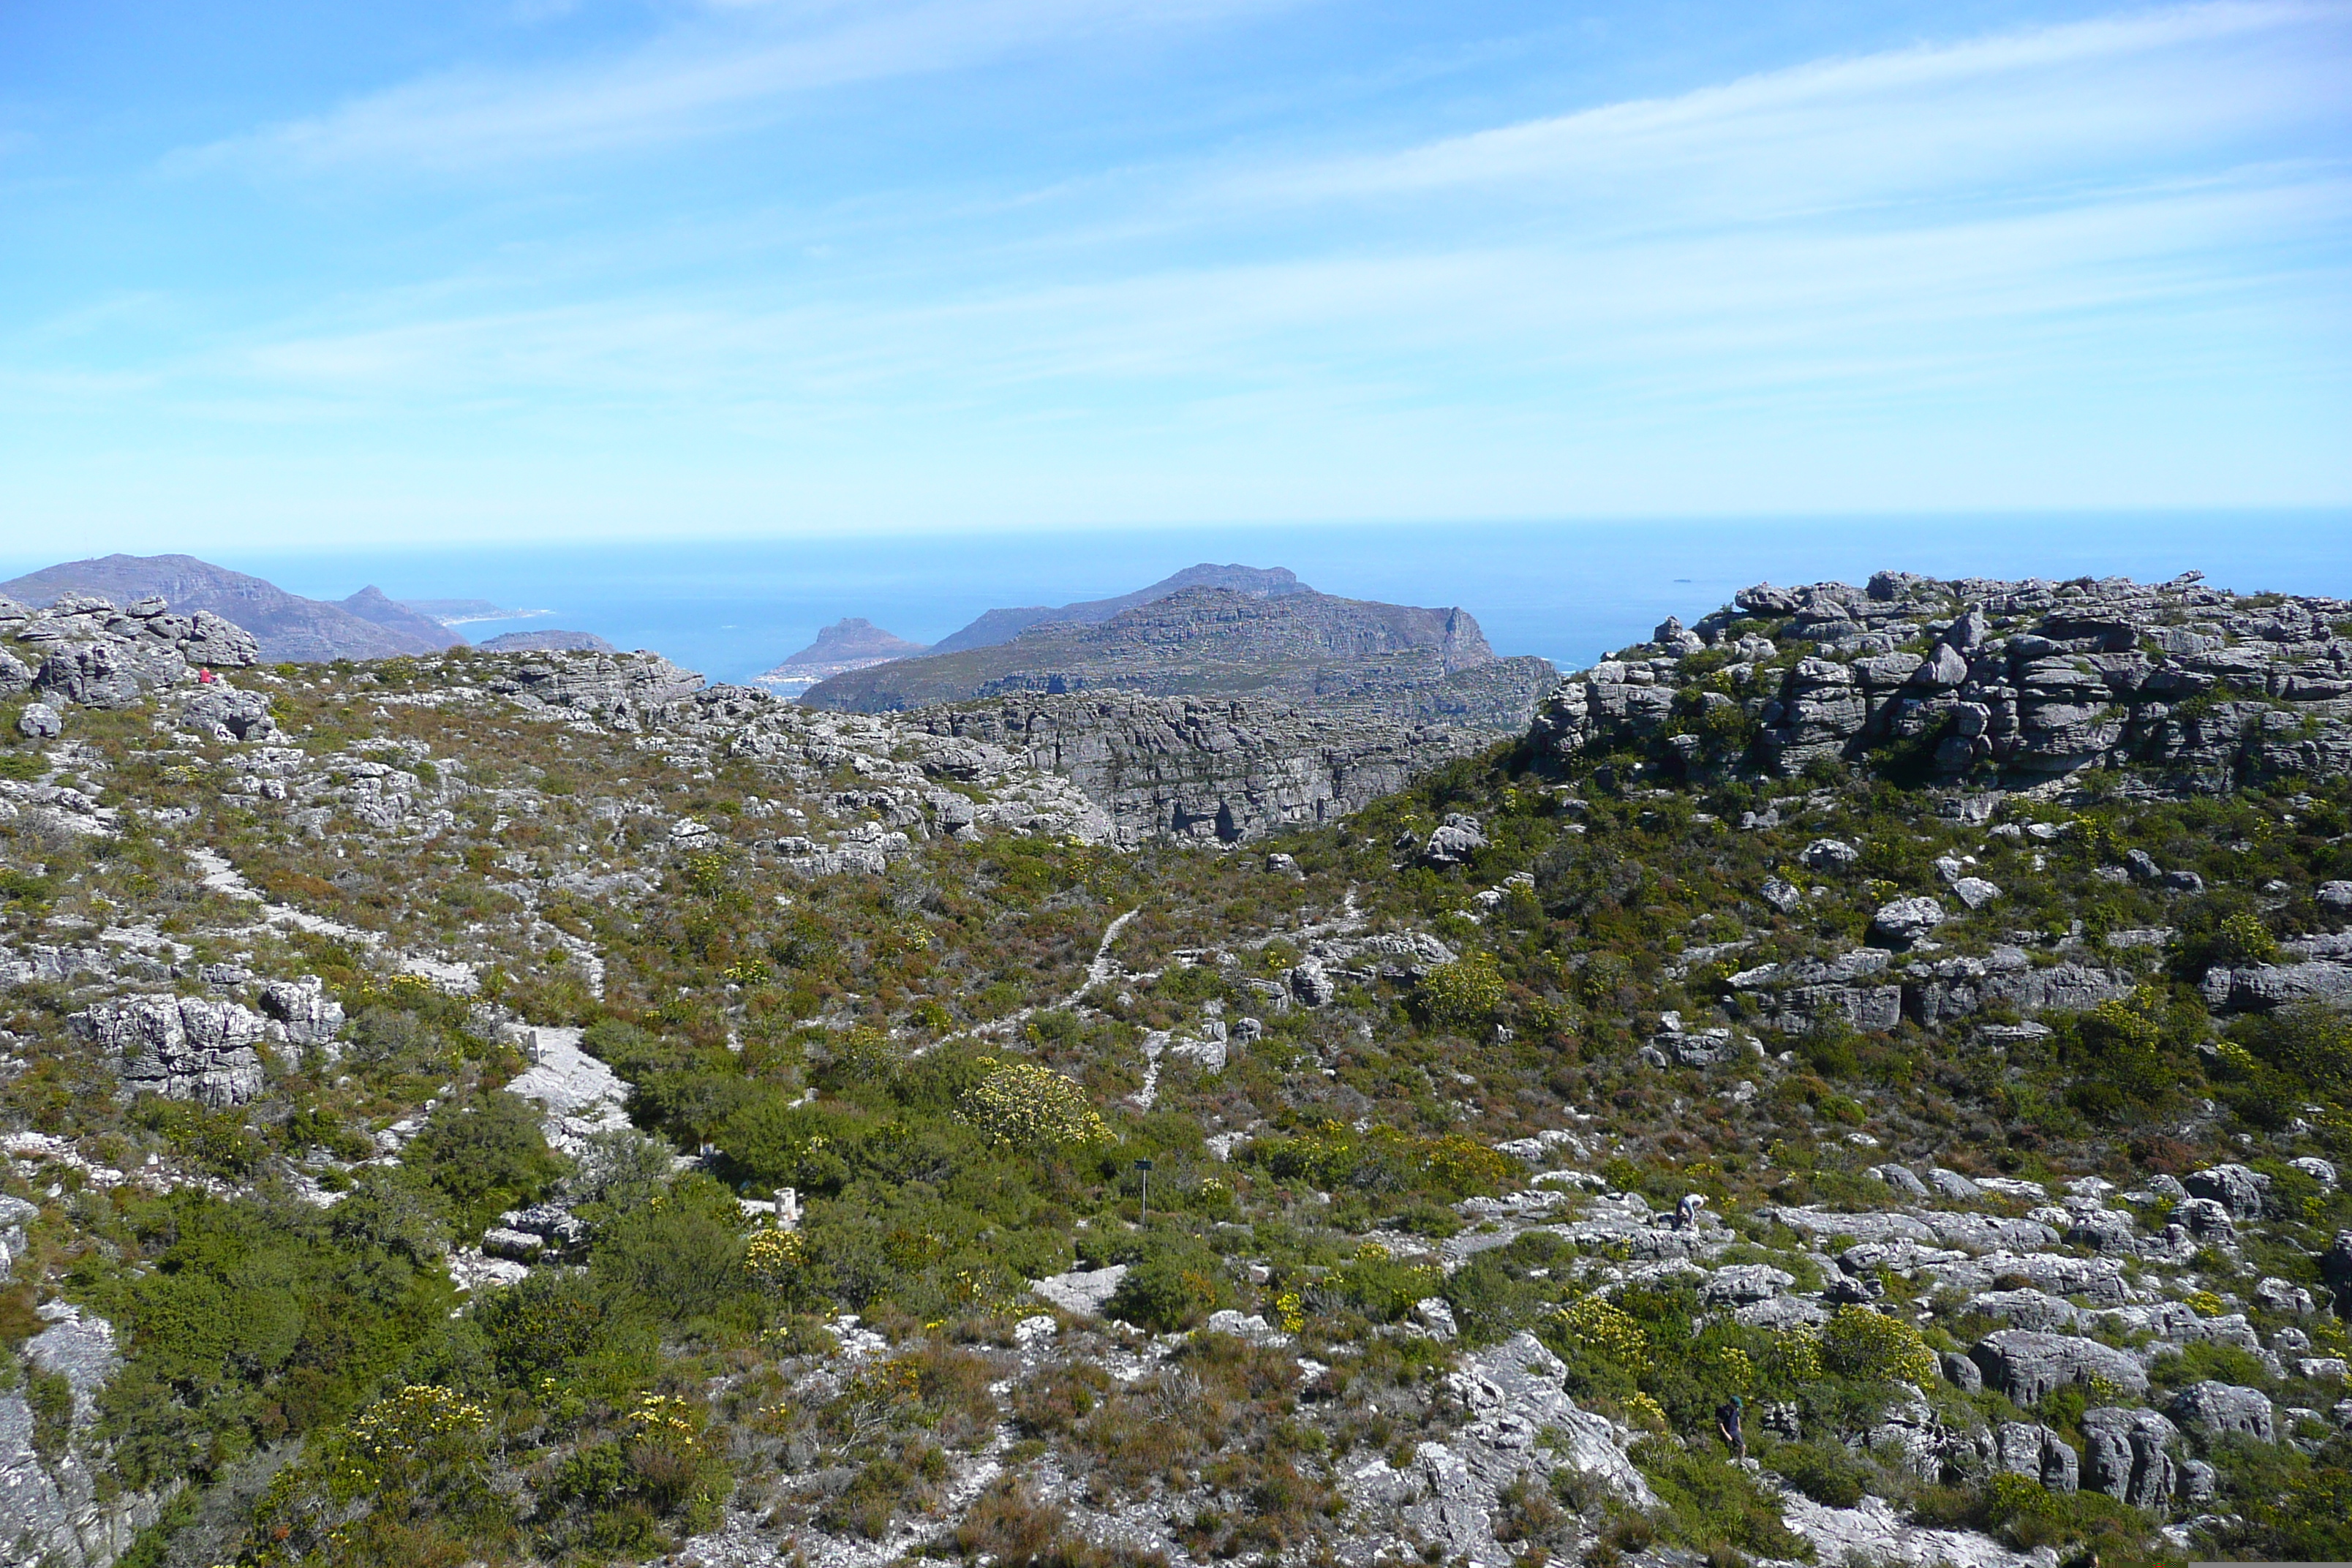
point(1031, 1107)
point(401, 1440)
point(1601, 1330)
point(777, 1259)
point(1859, 1342)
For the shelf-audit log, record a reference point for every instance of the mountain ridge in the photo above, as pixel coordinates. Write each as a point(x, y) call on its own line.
point(288, 627)
point(999, 626)
point(1199, 641)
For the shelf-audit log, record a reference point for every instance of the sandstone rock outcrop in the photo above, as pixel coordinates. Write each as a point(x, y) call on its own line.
point(86, 652)
point(2018, 681)
point(182, 1048)
point(2026, 1366)
point(288, 625)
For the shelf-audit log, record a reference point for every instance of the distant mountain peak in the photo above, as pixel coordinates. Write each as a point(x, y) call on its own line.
point(1004, 624)
point(851, 643)
point(286, 626)
point(371, 605)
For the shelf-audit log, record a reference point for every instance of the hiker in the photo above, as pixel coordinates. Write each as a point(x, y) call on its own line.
point(1726, 1421)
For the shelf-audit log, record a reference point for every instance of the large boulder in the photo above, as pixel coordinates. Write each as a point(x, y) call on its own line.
point(2028, 1365)
point(2263, 987)
point(2235, 1188)
point(82, 649)
point(221, 710)
point(2125, 1456)
point(2217, 1409)
point(1829, 854)
point(311, 1017)
point(1081, 1291)
point(2037, 1453)
point(1455, 840)
point(1905, 920)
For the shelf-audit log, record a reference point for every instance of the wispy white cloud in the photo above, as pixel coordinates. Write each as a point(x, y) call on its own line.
point(1684, 314)
point(1925, 118)
point(2068, 218)
point(721, 74)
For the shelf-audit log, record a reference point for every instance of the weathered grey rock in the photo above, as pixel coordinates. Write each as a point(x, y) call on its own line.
point(2125, 1456)
point(2334, 897)
point(81, 649)
point(2280, 1296)
point(2239, 1190)
point(2318, 1170)
point(2033, 679)
point(220, 710)
point(1311, 983)
point(1436, 1316)
point(1081, 1290)
point(551, 1223)
point(1796, 995)
point(1194, 769)
point(2027, 1309)
point(623, 690)
point(2026, 1366)
point(515, 1246)
point(1989, 1233)
point(2038, 1453)
point(1905, 920)
point(1961, 1373)
point(39, 721)
point(1975, 891)
point(2263, 987)
point(1782, 1313)
point(1741, 1283)
point(1902, 1178)
point(1829, 854)
point(1518, 1414)
point(2217, 1409)
point(312, 1017)
point(1784, 896)
point(182, 1048)
point(1455, 840)
point(2206, 1220)
point(1949, 1183)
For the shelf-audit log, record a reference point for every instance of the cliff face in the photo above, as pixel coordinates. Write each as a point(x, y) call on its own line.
point(1206, 770)
point(1198, 642)
point(2004, 681)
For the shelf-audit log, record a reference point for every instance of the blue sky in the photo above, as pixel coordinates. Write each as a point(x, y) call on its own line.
point(462, 270)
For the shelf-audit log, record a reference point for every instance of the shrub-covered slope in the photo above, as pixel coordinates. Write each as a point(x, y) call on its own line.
point(459, 1126)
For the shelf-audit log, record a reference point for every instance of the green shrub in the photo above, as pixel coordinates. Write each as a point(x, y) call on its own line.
point(485, 1153)
point(1463, 995)
point(1176, 1284)
point(1822, 1470)
point(680, 1256)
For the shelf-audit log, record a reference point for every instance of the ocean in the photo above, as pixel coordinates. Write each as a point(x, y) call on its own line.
point(1566, 591)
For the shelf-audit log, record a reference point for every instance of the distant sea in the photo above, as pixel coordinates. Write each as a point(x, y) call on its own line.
point(1568, 591)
